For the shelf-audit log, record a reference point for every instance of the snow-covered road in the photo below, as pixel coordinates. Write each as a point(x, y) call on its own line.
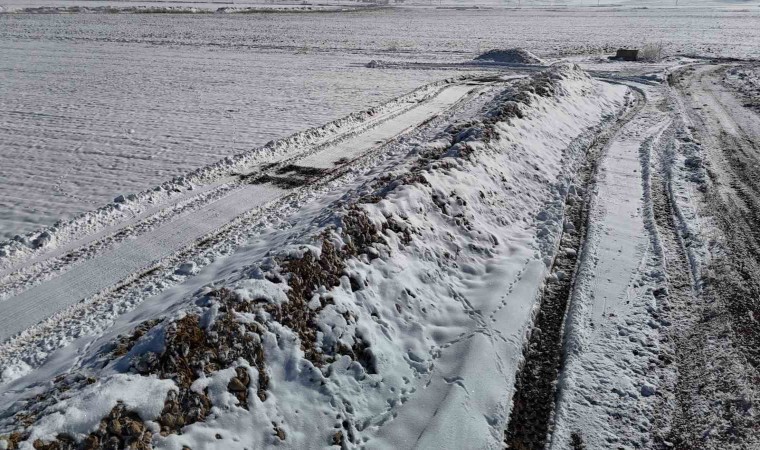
point(657, 344)
point(611, 302)
point(135, 256)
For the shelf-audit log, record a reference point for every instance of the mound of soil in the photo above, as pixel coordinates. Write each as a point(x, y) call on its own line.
point(510, 55)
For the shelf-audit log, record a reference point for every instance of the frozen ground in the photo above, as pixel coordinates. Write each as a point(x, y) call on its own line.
point(83, 123)
point(400, 278)
point(537, 257)
point(416, 319)
point(93, 106)
point(201, 6)
point(171, 6)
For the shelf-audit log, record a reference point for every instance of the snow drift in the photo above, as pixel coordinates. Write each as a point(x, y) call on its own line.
point(510, 56)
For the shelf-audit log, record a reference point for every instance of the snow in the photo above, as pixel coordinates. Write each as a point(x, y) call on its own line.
point(254, 289)
point(511, 55)
point(166, 6)
point(136, 256)
point(445, 317)
point(609, 325)
point(15, 370)
point(706, 112)
point(98, 129)
point(463, 405)
point(180, 194)
point(187, 268)
point(203, 99)
point(445, 359)
point(246, 6)
point(80, 413)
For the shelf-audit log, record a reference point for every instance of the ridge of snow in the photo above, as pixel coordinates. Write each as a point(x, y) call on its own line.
point(444, 315)
point(180, 189)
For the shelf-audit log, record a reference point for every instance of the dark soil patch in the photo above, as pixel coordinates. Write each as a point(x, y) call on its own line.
point(122, 429)
point(305, 275)
point(282, 182)
point(533, 402)
point(125, 343)
point(302, 170)
point(576, 442)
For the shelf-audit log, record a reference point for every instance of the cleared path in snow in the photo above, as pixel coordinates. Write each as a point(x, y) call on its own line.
point(135, 256)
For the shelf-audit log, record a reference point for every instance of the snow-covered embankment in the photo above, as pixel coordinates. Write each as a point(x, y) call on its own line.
point(400, 324)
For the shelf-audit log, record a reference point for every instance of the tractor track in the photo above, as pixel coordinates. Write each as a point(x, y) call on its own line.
point(129, 291)
point(735, 203)
point(530, 423)
point(711, 348)
point(23, 275)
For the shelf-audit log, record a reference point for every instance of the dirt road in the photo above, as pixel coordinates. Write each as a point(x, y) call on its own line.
point(660, 339)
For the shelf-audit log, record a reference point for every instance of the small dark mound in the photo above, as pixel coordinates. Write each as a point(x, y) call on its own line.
point(510, 55)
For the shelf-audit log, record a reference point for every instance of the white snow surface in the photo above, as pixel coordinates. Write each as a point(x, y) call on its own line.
point(97, 274)
point(612, 322)
point(445, 316)
point(93, 106)
point(99, 119)
point(66, 235)
point(79, 413)
point(510, 55)
point(179, 6)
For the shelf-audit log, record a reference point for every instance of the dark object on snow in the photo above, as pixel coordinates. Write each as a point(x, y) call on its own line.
point(625, 54)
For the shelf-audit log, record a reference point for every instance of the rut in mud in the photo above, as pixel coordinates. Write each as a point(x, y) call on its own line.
point(530, 422)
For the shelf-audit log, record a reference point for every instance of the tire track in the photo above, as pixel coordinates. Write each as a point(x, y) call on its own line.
point(37, 269)
point(708, 348)
point(122, 295)
point(530, 423)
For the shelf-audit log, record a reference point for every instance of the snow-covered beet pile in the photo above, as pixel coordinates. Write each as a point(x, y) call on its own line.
point(399, 323)
point(510, 56)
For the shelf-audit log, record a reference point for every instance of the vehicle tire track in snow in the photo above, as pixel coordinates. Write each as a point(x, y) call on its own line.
point(131, 257)
point(533, 402)
point(711, 345)
point(18, 275)
point(135, 256)
point(602, 398)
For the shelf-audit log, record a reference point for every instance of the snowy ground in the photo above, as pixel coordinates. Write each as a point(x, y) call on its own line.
point(201, 6)
point(173, 7)
point(660, 339)
point(537, 257)
point(421, 342)
point(113, 118)
point(143, 98)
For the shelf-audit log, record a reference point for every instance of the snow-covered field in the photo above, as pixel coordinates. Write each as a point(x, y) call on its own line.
point(459, 254)
point(96, 105)
point(82, 123)
point(442, 256)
